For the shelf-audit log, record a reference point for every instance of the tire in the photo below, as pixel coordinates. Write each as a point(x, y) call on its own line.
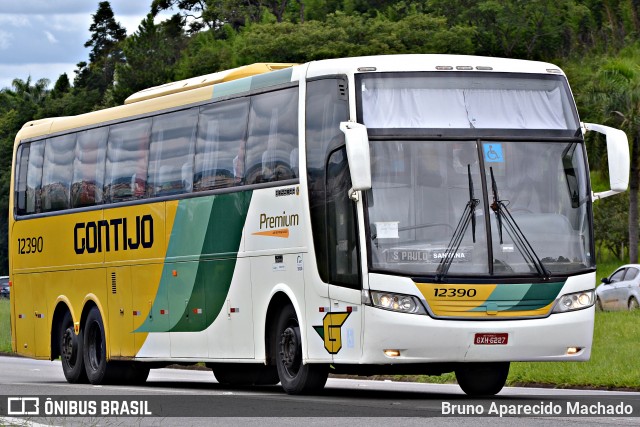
point(482, 379)
point(71, 354)
point(99, 371)
point(633, 304)
point(242, 374)
point(295, 377)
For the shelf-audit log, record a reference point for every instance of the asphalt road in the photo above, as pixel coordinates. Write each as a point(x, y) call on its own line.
point(188, 397)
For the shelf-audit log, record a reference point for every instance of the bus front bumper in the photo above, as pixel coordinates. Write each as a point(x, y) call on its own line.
point(422, 339)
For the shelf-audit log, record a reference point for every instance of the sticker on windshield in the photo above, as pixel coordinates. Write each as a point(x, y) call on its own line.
point(387, 230)
point(493, 153)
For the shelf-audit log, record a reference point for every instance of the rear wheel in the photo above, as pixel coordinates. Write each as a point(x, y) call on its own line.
point(633, 304)
point(99, 371)
point(71, 356)
point(295, 377)
point(245, 374)
point(482, 379)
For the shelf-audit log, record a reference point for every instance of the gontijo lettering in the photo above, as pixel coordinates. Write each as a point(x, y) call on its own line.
point(113, 235)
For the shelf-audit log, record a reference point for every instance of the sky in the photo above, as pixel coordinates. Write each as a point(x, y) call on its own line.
point(45, 38)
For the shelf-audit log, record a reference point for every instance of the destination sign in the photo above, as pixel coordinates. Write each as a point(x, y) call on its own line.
point(426, 255)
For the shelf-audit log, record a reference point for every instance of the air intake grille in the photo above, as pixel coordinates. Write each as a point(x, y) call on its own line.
point(114, 289)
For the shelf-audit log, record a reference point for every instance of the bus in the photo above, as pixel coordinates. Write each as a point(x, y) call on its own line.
point(402, 214)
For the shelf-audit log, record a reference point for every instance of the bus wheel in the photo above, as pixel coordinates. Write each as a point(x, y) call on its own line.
point(71, 351)
point(295, 377)
point(242, 374)
point(99, 371)
point(482, 379)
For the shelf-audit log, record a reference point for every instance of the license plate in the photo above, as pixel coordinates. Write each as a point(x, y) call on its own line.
point(491, 339)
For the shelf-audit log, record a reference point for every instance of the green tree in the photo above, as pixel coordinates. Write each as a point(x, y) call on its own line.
point(151, 54)
point(106, 52)
point(62, 86)
point(616, 90)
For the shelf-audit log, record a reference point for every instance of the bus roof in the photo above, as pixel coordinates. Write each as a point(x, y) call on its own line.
point(206, 80)
point(428, 62)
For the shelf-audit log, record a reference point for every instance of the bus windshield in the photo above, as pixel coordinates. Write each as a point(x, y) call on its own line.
point(513, 201)
point(466, 100)
point(494, 206)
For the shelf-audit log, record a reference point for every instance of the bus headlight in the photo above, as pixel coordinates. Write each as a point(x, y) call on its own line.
point(397, 302)
point(575, 301)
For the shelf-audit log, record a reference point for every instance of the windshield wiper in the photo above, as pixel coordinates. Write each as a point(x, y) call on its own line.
point(519, 239)
point(468, 217)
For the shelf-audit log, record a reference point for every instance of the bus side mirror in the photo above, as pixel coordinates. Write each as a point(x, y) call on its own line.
point(358, 156)
point(618, 154)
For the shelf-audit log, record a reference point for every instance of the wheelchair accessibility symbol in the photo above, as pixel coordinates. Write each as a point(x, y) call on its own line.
point(493, 153)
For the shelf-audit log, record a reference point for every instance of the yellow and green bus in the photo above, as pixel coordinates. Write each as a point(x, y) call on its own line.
point(278, 222)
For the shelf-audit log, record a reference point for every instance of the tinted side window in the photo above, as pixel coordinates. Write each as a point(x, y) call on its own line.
point(617, 276)
point(22, 162)
point(126, 165)
point(34, 177)
point(88, 168)
point(222, 130)
point(341, 223)
point(326, 106)
point(57, 172)
point(272, 152)
point(171, 153)
point(631, 273)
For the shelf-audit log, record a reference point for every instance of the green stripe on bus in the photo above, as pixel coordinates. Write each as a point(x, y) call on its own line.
point(521, 296)
point(195, 296)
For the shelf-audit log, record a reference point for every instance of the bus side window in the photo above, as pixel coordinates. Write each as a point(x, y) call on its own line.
point(88, 168)
point(21, 179)
point(341, 223)
point(219, 159)
point(126, 165)
point(273, 136)
point(171, 153)
point(57, 172)
point(34, 177)
point(326, 107)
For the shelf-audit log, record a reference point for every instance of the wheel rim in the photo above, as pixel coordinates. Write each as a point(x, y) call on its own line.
point(69, 348)
point(633, 304)
point(290, 350)
point(95, 347)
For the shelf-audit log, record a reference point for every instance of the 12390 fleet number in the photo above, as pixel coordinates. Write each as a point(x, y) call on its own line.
point(30, 245)
point(454, 292)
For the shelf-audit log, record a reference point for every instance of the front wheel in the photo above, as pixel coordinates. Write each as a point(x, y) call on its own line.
point(633, 304)
point(482, 379)
point(70, 347)
point(295, 376)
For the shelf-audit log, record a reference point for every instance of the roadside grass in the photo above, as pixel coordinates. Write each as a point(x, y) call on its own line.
point(5, 326)
point(613, 358)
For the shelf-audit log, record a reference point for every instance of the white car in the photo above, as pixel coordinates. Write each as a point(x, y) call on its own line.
point(621, 290)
